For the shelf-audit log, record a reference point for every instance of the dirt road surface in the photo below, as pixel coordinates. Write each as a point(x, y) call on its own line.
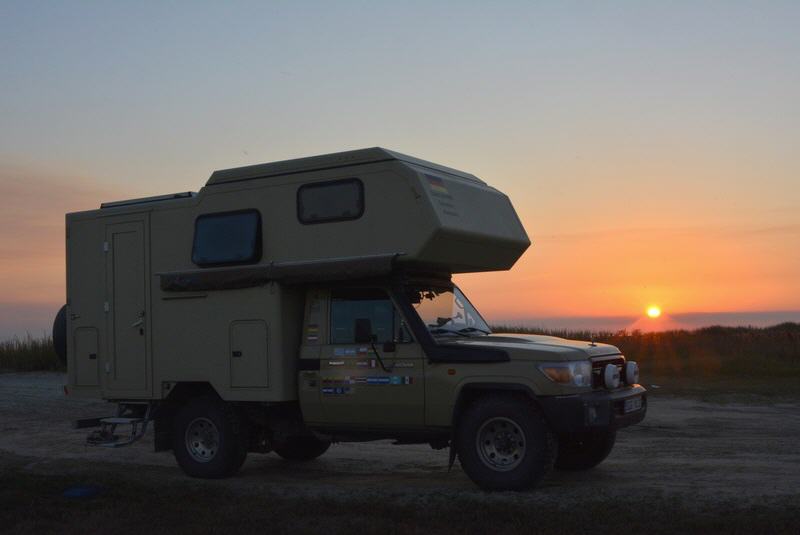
point(706, 453)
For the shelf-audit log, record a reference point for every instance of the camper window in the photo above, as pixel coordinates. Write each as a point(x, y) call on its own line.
point(337, 200)
point(227, 238)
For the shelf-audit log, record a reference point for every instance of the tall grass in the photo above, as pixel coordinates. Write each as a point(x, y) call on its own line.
point(29, 354)
point(707, 352)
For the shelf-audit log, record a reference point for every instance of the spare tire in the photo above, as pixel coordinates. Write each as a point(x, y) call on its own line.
point(60, 335)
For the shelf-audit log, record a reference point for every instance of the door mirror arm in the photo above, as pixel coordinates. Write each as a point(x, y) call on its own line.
point(362, 334)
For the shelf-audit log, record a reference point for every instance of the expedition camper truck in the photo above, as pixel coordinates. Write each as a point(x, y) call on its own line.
point(294, 304)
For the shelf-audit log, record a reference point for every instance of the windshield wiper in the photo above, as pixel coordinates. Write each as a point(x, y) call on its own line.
point(439, 330)
point(473, 329)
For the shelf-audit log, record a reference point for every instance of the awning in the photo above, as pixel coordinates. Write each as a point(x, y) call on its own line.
point(326, 270)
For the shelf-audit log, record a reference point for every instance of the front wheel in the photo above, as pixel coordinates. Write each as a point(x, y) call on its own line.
point(582, 451)
point(504, 443)
point(209, 439)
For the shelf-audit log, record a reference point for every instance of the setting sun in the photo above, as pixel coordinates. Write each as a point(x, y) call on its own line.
point(653, 311)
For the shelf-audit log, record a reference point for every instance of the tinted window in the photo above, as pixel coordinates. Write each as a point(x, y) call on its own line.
point(227, 238)
point(338, 200)
point(349, 305)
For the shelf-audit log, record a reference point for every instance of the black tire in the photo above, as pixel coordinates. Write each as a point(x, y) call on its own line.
point(302, 448)
point(221, 446)
point(582, 451)
point(239, 461)
point(60, 335)
point(516, 420)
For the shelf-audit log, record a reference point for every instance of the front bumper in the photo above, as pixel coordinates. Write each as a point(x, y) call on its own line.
point(593, 411)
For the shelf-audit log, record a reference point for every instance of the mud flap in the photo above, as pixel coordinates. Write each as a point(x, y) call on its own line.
point(453, 451)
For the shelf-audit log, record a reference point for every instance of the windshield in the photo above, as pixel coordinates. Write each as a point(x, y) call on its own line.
point(447, 312)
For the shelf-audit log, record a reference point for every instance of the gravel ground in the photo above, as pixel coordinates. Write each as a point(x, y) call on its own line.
point(696, 451)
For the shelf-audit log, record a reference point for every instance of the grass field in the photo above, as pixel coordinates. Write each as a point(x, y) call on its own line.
point(707, 352)
point(713, 354)
point(29, 354)
point(713, 363)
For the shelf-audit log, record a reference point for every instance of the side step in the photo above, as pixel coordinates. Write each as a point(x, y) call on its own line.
point(135, 415)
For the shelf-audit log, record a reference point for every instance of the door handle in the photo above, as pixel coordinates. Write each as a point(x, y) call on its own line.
point(139, 321)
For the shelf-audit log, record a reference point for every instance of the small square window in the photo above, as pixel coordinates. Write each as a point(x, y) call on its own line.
point(325, 202)
point(227, 238)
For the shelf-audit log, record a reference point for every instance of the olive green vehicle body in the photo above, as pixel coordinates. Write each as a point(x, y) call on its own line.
point(143, 319)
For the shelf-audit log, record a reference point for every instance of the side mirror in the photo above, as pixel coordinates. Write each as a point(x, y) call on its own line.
point(363, 331)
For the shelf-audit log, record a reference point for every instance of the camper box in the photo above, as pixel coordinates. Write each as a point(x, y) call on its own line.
point(210, 287)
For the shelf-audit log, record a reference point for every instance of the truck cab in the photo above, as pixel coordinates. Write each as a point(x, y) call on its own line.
point(411, 359)
point(291, 305)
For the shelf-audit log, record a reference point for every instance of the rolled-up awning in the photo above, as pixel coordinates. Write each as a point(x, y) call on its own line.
point(326, 270)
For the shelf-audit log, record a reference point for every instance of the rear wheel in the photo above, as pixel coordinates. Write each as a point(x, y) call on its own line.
point(302, 448)
point(582, 451)
point(209, 439)
point(504, 443)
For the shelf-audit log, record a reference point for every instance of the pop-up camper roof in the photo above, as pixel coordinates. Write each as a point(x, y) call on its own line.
point(346, 215)
point(324, 162)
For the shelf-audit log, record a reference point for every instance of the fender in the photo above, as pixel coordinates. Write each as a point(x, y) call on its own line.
point(469, 389)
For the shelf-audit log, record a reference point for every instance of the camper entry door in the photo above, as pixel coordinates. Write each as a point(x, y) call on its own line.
point(127, 368)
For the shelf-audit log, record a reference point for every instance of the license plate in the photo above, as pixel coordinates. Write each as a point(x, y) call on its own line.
point(633, 404)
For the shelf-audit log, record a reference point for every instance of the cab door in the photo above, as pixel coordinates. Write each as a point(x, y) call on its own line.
point(378, 384)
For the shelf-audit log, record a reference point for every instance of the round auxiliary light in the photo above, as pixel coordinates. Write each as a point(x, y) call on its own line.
point(631, 372)
point(611, 376)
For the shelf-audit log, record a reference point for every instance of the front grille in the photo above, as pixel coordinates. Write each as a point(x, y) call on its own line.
point(599, 364)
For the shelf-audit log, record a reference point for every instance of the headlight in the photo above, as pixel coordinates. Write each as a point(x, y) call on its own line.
point(576, 373)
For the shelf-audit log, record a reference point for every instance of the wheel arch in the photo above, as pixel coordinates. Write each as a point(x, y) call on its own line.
point(177, 394)
point(182, 391)
point(471, 391)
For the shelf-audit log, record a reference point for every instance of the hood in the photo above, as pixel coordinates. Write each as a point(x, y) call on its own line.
point(538, 347)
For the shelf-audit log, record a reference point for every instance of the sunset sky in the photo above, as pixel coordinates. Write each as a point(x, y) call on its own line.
point(652, 149)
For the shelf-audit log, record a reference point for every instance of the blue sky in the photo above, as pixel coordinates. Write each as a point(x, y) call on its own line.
point(146, 87)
